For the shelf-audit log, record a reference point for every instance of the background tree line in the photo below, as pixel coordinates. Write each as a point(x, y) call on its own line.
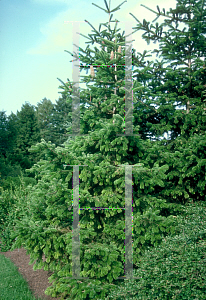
point(18, 132)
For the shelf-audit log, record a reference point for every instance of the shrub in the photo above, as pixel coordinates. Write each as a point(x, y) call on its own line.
point(176, 268)
point(14, 182)
point(13, 205)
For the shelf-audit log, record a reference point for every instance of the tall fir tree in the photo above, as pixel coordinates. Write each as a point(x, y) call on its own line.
point(105, 155)
point(102, 181)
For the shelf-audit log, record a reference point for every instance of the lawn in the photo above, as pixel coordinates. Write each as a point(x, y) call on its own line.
point(12, 284)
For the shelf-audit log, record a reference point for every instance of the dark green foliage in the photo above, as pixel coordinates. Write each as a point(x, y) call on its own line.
point(13, 134)
point(176, 268)
point(46, 227)
point(44, 112)
point(4, 134)
point(186, 176)
point(15, 182)
point(60, 120)
point(166, 173)
point(54, 119)
point(186, 167)
point(175, 82)
point(13, 205)
point(29, 134)
point(8, 135)
point(17, 134)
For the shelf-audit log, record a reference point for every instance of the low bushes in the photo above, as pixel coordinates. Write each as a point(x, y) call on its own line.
point(41, 216)
point(13, 205)
point(14, 182)
point(176, 269)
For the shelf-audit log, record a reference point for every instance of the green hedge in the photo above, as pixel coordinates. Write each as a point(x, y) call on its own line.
point(14, 182)
point(176, 269)
point(13, 206)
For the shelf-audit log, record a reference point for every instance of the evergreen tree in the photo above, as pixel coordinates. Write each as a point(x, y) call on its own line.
point(106, 96)
point(102, 180)
point(4, 146)
point(177, 78)
point(8, 136)
point(44, 111)
point(13, 133)
point(176, 88)
point(62, 108)
point(53, 119)
point(28, 135)
point(4, 142)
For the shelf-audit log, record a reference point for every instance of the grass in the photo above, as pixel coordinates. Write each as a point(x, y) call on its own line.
point(12, 284)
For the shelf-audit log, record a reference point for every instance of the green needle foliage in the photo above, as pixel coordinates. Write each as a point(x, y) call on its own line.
point(175, 82)
point(166, 173)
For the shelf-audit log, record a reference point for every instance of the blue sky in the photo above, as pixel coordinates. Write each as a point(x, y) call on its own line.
point(34, 35)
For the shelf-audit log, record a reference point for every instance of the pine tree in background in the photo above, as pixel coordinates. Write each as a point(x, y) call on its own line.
point(52, 119)
point(9, 165)
point(4, 146)
point(28, 135)
point(4, 143)
point(45, 110)
point(60, 116)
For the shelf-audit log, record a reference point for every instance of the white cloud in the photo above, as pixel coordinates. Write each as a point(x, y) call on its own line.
point(57, 35)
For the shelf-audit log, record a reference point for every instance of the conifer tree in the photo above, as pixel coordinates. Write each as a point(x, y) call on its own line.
point(103, 156)
point(4, 143)
point(28, 135)
point(62, 107)
point(44, 112)
point(177, 79)
point(176, 88)
point(102, 181)
point(4, 146)
point(53, 119)
point(8, 138)
point(106, 95)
